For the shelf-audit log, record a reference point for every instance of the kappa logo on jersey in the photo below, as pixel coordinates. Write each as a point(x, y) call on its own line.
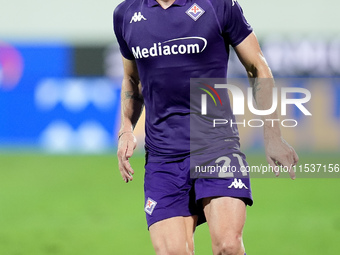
point(137, 17)
point(195, 12)
point(150, 206)
point(237, 184)
point(234, 1)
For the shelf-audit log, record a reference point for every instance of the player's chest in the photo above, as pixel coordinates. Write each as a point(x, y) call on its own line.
point(176, 30)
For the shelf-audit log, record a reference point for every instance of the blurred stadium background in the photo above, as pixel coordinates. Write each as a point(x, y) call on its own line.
point(60, 190)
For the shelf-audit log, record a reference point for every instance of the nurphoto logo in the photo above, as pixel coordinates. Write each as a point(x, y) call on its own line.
point(240, 101)
point(218, 108)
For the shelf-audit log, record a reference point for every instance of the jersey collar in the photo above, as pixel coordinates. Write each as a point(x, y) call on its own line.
point(152, 3)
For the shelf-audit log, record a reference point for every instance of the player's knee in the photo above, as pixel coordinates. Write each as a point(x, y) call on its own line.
point(175, 249)
point(229, 246)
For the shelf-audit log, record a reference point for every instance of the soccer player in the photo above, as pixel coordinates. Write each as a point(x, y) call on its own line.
point(163, 44)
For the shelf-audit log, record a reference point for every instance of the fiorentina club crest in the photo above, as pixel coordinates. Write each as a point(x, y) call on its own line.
point(195, 12)
point(150, 205)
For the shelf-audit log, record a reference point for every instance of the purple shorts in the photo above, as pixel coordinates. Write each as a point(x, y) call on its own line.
point(170, 192)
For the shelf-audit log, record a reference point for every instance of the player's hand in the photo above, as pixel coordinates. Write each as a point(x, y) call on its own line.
point(280, 153)
point(126, 145)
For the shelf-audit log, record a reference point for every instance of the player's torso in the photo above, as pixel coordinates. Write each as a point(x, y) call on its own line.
point(171, 46)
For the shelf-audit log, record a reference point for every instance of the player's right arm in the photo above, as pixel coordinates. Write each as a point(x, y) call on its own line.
point(131, 108)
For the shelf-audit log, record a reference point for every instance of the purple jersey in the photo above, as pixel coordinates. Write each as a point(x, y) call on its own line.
point(190, 39)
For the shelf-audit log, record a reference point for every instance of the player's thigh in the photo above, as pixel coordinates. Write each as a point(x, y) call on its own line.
point(174, 235)
point(226, 218)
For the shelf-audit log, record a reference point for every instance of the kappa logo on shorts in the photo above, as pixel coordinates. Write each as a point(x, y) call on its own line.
point(237, 184)
point(195, 12)
point(150, 206)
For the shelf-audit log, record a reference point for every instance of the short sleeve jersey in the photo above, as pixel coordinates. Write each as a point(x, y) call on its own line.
point(190, 39)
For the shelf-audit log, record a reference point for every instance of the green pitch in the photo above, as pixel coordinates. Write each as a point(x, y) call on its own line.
point(79, 205)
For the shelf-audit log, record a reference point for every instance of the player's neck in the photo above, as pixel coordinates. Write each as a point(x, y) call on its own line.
point(165, 4)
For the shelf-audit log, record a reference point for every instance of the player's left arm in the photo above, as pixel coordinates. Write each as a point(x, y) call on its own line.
point(278, 151)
